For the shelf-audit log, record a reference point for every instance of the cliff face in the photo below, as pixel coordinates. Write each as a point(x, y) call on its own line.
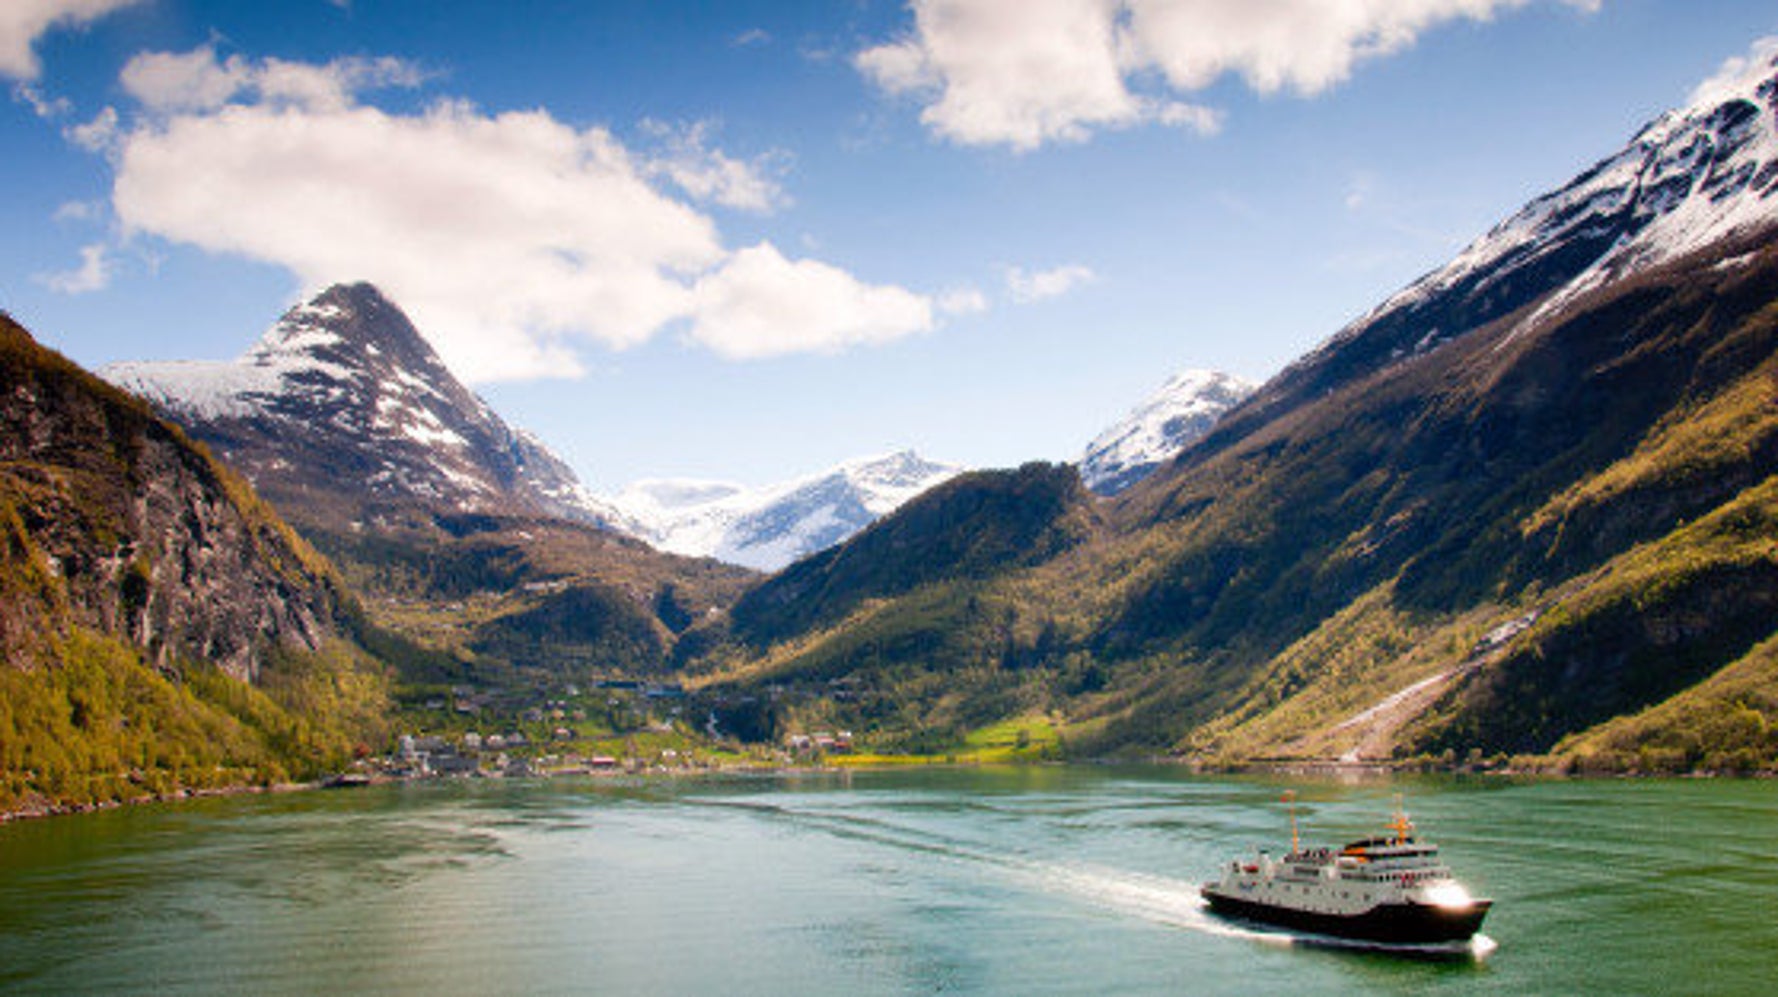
point(114, 521)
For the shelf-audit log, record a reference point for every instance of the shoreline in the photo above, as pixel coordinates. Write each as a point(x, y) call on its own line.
point(1330, 768)
point(42, 811)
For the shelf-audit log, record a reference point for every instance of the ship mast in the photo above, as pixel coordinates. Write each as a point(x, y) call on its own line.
point(1402, 827)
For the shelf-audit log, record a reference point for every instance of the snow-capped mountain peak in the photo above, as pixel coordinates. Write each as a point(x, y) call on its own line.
point(343, 388)
point(1171, 419)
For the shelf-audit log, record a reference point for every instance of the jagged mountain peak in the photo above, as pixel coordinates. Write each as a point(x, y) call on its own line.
point(343, 388)
point(353, 323)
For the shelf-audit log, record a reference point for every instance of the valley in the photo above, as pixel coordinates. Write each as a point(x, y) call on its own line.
point(1521, 515)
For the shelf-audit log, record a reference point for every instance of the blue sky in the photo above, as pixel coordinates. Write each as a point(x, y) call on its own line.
point(749, 240)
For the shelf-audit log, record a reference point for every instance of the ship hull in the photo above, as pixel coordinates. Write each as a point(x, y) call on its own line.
point(1395, 924)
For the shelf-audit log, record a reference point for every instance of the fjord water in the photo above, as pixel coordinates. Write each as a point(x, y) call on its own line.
point(1078, 880)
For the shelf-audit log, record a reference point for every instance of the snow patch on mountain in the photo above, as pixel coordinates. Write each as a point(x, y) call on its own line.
point(1171, 419)
point(1691, 178)
point(768, 528)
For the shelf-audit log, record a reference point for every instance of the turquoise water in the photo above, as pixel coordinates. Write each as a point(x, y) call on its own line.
point(1019, 881)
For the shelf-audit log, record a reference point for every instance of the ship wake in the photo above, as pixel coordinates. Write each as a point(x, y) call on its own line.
point(1162, 900)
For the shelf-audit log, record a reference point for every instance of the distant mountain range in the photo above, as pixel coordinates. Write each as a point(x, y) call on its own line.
point(768, 528)
point(343, 389)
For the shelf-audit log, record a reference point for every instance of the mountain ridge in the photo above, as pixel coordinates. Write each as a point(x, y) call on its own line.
point(1693, 175)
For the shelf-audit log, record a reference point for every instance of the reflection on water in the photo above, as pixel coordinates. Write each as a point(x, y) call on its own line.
point(1039, 880)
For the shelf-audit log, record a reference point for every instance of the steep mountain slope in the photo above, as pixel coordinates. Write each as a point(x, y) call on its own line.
point(1528, 495)
point(458, 529)
point(1694, 177)
point(1488, 483)
point(1173, 418)
point(768, 528)
point(161, 626)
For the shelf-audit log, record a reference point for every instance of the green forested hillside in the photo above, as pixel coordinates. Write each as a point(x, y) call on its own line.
point(1483, 550)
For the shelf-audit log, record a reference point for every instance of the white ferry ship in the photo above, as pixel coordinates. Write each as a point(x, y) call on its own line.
point(1392, 890)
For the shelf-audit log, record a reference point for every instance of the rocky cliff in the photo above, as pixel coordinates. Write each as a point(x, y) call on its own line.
point(162, 628)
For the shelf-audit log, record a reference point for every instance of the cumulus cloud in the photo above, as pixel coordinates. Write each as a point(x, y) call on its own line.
point(760, 304)
point(1021, 75)
point(510, 237)
point(1016, 73)
point(22, 22)
point(1028, 286)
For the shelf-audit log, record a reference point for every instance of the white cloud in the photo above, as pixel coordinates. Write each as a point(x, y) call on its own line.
point(170, 82)
point(510, 238)
point(996, 73)
point(1732, 78)
point(1027, 286)
point(1303, 45)
point(93, 274)
point(22, 22)
point(760, 304)
point(1017, 74)
point(499, 233)
point(711, 175)
point(97, 135)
